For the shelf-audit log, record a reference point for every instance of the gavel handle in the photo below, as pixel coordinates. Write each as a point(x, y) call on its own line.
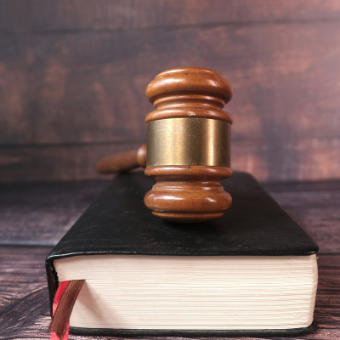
point(122, 162)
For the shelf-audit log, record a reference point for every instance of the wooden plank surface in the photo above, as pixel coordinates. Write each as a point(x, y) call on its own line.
point(40, 214)
point(24, 312)
point(89, 14)
point(56, 162)
point(301, 159)
point(55, 89)
point(73, 76)
point(315, 206)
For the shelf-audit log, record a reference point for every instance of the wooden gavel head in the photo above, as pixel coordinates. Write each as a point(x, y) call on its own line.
point(188, 145)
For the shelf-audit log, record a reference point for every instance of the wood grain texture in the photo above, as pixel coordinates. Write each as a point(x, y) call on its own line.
point(74, 73)
point(299, 159)
point(315, 206)
point(57, 162)
point(122, 162)
point(89, 14)
point(24, 311)
point(48, 97)
point(188, 193)
point(41, 214)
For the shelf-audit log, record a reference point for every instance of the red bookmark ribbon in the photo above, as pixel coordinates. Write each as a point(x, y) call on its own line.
point(63, 303)
point(57, 297)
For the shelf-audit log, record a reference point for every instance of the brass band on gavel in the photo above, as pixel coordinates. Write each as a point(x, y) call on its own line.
point(188, 141)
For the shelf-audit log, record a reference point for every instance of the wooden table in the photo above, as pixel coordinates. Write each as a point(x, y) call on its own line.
point(33, 217)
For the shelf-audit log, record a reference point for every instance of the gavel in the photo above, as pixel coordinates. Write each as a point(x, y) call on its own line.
point(188, 146)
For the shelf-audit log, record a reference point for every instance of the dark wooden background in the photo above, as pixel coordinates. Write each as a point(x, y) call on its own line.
point(73, 76)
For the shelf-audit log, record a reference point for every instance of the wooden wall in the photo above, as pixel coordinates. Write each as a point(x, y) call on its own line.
point(73, 76)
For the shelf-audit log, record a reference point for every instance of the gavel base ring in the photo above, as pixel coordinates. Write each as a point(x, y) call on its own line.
point(188, 193)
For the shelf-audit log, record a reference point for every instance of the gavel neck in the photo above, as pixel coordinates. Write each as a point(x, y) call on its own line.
point(186, 101)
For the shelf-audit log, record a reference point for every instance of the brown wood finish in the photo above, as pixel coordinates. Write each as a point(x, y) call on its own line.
point(89, 15)
point(57, 162)
point(123, 161)
point(73, 76)
point(187, 192)
point(297, 159)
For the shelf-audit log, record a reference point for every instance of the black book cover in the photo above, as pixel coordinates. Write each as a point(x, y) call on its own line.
point(118, 222)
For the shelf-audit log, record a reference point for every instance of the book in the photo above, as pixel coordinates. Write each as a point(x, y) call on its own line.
point(252, 272)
